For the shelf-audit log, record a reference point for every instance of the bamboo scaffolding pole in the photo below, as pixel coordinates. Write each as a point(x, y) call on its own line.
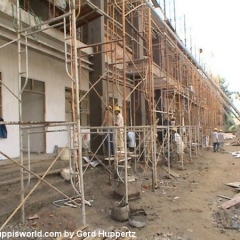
point(19, 45)
point(25, 32)
point(124, 99)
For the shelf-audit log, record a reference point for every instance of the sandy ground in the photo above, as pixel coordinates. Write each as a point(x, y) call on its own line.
point(187, 207)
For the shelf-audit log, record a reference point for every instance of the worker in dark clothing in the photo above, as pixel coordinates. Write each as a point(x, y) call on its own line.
point(3, 129)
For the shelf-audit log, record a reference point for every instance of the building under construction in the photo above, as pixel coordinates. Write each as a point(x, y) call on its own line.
point(64, 61)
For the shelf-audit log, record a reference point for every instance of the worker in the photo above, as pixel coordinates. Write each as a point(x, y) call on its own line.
point(162, 132)
point(3, 129)
point(131, 141)
point(172, 121)
point(178, 144)
point(108, 132)
point(120, 123)
point(205, 138)
point(220, 140)
point(215, 139)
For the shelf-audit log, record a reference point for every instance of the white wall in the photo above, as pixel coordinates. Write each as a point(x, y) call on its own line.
point(9, 69)
point(42, 68)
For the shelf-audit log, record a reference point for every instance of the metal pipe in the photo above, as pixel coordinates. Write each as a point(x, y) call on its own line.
point(66, 52)
point(4, 45)
point(26, 66)
point(20, 112)
point(174, 13)
point(79, 135)
point(29, 162)
point(168, 151)
point(9, 90)
point(124, 97)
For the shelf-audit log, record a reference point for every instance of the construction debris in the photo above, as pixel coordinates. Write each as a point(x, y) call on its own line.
point(234, 184)
point(35, 216)
point(227, 218)
point(225, 197)
point(72, 202)
point(236, 154)
point(66, 174)
point(172, 173)
point(137, 218)
point(231, 203)
point(236, 143)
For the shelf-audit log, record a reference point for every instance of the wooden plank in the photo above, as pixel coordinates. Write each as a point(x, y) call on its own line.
point(234, 184)
point(231, 203)
point(225, 197)
point(171, 172)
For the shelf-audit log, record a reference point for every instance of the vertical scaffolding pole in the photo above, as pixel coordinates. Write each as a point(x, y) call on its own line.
point(77, 64)
point(151, 99)
point(20, 109)
point(124, 99)
point(21, 51)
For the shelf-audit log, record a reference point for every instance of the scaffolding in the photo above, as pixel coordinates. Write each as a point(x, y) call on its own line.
point(72, 63)
point(144, 69)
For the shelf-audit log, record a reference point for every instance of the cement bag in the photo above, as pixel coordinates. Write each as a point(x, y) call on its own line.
point(66, 174)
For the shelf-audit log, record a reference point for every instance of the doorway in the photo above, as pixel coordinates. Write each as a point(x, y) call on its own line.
point(33, 110)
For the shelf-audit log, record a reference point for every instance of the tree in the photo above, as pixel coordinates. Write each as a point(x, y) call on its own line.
point(224, 86)
point(229, 119)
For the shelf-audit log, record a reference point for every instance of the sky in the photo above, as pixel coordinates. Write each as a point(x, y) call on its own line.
point(213, 26)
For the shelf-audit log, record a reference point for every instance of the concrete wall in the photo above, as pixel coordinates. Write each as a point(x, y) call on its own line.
point(41, 68)
point(8, 68)
point(48, 67)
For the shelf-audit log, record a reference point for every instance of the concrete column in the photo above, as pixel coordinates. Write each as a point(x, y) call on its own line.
point(96, 35)
point(138, 99)
point(138, 50)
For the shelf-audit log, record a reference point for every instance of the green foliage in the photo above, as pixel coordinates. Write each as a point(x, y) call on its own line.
point(229, 122)
point(234, 128)
point(224, 86)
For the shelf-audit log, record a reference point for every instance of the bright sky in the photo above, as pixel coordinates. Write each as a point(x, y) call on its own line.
point(213, 26)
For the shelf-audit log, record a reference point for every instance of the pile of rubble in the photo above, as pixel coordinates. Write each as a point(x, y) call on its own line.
point(236, 154)
point(236, 143)
point(227, 218)
point(228, 215)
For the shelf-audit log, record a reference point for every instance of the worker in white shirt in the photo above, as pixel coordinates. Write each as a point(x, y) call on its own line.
point(215, 139)
point(177, 142)
point(120, 123)
point(131, 141)
point(220, 140)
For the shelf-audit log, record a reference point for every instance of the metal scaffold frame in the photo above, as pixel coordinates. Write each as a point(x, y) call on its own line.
point(148, 72)
point(73, 62)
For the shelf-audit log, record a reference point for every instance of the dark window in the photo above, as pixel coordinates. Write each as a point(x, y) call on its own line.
point(33, 85)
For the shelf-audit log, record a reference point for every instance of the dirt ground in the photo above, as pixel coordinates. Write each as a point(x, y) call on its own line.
point(187, 207)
